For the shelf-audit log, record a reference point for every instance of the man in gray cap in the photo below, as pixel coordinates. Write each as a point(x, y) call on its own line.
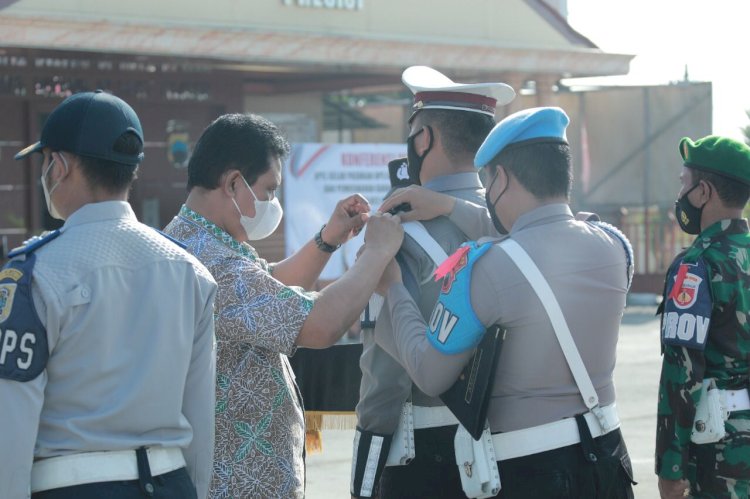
point(106, 330)
point(557, 286)
point(448, 124)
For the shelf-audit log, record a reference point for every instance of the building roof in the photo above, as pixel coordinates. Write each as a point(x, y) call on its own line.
point(523, 36)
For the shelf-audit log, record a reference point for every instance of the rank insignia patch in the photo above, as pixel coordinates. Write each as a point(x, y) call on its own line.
point(685, 293)
point(7, 292)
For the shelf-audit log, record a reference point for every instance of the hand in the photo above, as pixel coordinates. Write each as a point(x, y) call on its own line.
point(384, 235)
point(425, 204)
point(674, 489)
point(347, 219)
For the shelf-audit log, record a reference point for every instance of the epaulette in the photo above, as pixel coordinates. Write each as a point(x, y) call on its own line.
point(178, 243)
point(617, 233)
point(34, 245)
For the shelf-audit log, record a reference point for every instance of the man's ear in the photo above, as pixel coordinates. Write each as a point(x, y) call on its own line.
point(228, 182)
point(62, 167)
point(503, 176)
point(435, 136)
point(706, 191)
point(427, 139)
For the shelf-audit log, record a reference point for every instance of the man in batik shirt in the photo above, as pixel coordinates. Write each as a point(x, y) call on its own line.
point(262, 311)
point(705, 329)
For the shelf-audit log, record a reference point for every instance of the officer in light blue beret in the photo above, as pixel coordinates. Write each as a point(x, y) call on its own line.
point(556, 285)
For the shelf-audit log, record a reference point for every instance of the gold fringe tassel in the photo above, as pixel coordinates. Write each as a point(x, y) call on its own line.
point(315, 421)
point(313, 442)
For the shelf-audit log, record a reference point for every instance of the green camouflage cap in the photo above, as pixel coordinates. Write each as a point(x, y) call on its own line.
point(720, 155)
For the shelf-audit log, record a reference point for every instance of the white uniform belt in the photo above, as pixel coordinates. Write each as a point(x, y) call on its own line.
point(737, 400)
point(432, 417)
point(550, 436)
point(93, 467)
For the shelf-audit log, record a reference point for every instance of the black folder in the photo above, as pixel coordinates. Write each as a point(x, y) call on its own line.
point(469, 397)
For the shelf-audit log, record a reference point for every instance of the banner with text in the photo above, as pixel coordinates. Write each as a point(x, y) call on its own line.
point(317, 176)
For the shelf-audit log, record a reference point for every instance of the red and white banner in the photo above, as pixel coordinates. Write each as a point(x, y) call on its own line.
point(317, 176)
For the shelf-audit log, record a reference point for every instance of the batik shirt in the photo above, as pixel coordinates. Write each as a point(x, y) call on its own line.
point(259, 419)
point(723, 249)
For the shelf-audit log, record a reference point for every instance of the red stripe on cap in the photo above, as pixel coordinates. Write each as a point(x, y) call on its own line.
point(458, 97)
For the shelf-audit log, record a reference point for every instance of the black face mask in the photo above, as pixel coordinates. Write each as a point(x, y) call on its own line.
point(499, 227)
point(414, 160)
point(688, 216)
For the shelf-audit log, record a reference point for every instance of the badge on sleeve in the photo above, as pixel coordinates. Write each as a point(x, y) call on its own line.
point(23, 338)
point(688, 305)
point(8, 278)
point(454, 327)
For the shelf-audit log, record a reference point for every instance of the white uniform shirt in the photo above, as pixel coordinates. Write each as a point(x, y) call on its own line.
point(129, 320)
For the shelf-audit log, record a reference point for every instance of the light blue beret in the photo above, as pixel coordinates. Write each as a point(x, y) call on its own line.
point(537, 124)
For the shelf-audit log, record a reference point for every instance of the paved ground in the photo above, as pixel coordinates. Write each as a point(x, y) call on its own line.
point(637, 376)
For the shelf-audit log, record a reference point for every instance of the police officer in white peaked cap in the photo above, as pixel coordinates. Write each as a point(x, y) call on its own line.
point(404, 433)
point(107, 357)
point(556, 285)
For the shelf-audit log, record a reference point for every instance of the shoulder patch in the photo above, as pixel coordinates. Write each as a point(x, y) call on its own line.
point(453, 326)
point(688, 305)
point(7, 294)
point(617, 233)
point(34, 245)
point(23, 338)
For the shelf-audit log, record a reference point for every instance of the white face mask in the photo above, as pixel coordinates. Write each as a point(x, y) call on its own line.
point(267, 217)
point(48, 192)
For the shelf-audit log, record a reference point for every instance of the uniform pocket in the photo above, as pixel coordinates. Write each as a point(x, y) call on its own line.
point(627, 467)
point(79, 295)
point(626, 477)
point(614, 473)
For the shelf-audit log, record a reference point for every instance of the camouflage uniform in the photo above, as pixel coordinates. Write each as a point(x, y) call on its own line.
point(721, 469)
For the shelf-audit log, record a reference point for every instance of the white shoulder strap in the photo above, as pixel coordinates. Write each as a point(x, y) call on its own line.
point(423, 238)
point(542, 289)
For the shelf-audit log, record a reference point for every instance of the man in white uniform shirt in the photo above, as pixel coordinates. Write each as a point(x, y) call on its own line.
point(106, 330)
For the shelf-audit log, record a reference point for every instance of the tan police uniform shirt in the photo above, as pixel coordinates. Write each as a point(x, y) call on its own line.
point(586, 268)
point(385, 384)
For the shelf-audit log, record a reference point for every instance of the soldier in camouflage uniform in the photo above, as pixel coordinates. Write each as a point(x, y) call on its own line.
point(705, 329)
